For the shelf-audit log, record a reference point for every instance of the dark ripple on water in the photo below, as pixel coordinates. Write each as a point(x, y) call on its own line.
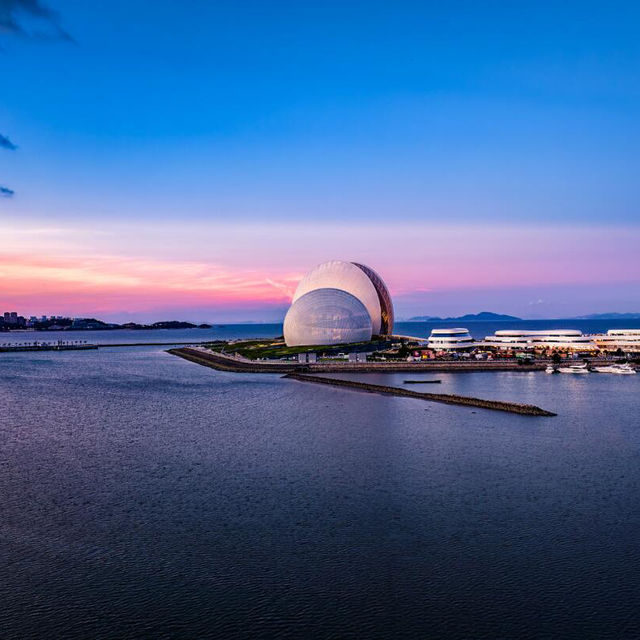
point(143, 496)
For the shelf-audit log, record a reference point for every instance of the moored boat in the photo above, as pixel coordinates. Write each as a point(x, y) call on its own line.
point(620, 369)
point(574, 368)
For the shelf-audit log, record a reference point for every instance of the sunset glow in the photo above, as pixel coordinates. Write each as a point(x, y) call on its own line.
point(131, 271)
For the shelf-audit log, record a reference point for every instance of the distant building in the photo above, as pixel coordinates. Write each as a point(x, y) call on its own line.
point(456, 339)
point(628, 340)
point(559, 339)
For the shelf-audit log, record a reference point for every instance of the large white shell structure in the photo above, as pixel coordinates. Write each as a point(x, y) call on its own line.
point(348, 277)
point(326, 316)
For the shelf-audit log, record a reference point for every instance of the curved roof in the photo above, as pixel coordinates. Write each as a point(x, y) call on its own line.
point(348, 277)
point(453, 331)
point(546, 332)
point(384, 298)
point(326, 316)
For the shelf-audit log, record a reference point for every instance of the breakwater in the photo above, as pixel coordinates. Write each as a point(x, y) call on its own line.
point(494, 405)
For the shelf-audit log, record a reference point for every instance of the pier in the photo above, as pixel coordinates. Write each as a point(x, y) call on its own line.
point(58, 345)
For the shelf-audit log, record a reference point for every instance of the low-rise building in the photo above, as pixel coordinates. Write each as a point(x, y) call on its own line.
point(628, 340)
point(455, 339)
point(558, 339)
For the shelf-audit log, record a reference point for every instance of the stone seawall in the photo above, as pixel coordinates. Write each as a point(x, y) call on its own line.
point(225, 362)
point(494, 405)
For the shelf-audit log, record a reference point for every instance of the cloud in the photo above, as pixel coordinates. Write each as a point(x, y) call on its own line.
point(5, 192)
point(14, 12)
point(5, 143)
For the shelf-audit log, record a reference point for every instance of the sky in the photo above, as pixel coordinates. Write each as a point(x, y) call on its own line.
point(192, 160)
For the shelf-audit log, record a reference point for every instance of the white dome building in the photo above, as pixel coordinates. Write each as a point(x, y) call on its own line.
point(456, 339)
point(325, 317)
point(358, 280)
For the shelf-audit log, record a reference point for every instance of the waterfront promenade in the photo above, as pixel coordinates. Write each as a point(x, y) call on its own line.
point(228, 362)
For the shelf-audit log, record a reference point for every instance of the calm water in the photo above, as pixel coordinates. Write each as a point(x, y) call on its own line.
point(144, 496)
point(225, 332)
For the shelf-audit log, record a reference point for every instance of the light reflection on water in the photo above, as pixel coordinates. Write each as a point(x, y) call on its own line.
point(142, 495)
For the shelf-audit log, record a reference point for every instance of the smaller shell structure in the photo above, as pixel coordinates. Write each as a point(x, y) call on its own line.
point(326, 317)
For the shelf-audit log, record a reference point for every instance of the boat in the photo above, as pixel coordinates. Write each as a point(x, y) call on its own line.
point(551, 369)
point(620, 369)
point(574, 368)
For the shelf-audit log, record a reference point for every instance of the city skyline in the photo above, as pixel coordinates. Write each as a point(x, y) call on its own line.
point(197, 165)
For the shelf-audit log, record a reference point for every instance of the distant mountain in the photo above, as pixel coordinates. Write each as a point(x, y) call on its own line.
point(610, 316)
point(165, 324)
point(483, 316)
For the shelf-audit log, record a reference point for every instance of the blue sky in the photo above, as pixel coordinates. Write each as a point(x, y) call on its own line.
point(476, 115)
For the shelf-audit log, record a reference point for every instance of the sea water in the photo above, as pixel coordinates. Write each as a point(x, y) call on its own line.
point(142, 495)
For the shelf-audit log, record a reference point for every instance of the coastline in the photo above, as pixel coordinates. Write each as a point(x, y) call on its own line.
point(224, 362)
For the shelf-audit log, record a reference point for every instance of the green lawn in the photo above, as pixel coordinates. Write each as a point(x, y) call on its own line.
point(254, 349)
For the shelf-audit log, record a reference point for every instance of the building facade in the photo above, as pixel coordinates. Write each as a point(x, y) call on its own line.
point(456, 339)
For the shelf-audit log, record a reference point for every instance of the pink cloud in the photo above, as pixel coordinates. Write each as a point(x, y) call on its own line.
point(214, 269)
point(112, 283)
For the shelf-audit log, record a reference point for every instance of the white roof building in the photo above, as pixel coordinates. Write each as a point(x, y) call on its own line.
point(456, 339)
point(562, 339)
point(326, 317)
point(625, 339)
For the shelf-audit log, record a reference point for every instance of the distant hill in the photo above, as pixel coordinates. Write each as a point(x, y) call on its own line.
point(93, 323)
point(483, 316)
point(165, 324)
point(610, 316)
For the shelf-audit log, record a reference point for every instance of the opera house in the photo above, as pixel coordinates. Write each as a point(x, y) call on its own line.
point(337, 303)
